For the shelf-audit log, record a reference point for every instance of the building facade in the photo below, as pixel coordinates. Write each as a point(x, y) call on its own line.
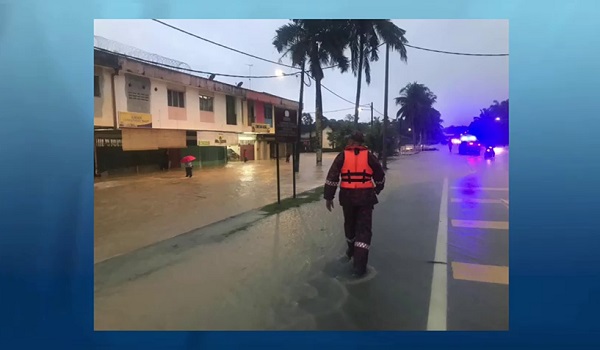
point(146, 116)
point(308, 139)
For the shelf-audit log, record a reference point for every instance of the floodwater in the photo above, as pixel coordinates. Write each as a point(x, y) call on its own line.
point(284, 271)
point(136, 211)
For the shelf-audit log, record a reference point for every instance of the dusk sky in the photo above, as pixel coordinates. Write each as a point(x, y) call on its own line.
point(463, 84)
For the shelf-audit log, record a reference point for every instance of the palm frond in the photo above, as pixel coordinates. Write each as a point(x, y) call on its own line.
point(392, 35)
point(367, 69)
point(286, 35)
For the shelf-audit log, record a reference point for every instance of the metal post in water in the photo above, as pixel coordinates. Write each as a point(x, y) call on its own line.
point(278, 182)
point(299, 122)
point(293, 169)
point(385, 105)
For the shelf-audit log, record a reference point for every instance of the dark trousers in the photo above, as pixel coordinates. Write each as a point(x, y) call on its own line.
point(357, 227)
point(188, 172)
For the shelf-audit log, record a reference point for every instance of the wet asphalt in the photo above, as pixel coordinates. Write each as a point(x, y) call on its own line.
point(285, 271)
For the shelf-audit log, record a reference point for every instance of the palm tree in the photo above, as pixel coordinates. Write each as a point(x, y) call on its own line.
point(415, 103)
point(499, 109)
point(492, 124)
point(318, 43)
point(432, 128)
point(365, 38)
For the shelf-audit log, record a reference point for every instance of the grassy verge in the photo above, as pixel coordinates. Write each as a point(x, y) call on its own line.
point(310, 196)
point(306, 197)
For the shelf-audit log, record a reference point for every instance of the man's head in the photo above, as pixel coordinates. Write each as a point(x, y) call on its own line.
point(356, 139)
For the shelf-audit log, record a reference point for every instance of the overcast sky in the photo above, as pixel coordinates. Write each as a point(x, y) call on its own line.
point(463, 84)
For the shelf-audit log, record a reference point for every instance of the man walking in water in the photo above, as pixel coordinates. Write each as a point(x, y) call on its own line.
point(362, 179)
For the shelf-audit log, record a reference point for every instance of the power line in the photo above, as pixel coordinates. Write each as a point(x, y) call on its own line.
point(331, 91)
point(335, 94)
point(443, 52)
point(245, 53)
point(329, 67)
point(194, 70)
point(337, 110)
point(458, 53)
point(221, 45)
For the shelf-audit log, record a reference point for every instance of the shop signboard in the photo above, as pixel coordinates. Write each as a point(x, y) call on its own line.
point(261, 128)
point(135, 120)
point(211, 138)
point(108, 142)
point(286, 127)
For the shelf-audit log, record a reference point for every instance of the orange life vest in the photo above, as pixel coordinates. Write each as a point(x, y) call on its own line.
point(356, 172)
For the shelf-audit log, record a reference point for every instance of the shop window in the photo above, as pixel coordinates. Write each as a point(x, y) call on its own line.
point(96, 86)
point(175, 98)
point(206, 103)
point(230, 110)
point(251, 113)
point(269, 114)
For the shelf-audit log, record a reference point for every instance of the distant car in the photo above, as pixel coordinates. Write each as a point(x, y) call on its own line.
point(469, 145)
point(455, 140)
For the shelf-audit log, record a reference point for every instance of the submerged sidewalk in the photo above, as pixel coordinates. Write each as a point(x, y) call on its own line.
point(137, 211)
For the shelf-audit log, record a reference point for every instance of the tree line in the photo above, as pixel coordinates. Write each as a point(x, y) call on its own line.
point(491, 126)
point(341, 129)
point(315, 46)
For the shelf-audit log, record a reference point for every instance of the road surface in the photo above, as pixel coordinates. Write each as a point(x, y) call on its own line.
point(439, 261)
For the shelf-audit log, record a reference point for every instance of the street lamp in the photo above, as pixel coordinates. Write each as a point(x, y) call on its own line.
point(409, 129)
point(497, 119)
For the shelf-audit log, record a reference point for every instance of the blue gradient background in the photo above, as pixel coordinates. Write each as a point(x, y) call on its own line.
point(46, 201)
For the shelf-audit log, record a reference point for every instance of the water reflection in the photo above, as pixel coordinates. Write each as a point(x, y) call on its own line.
point(469, 185)
point(247, 174)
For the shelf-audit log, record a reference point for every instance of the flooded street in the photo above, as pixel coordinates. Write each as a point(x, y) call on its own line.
point(136, 211)
point(251, 280)
point(282, 270)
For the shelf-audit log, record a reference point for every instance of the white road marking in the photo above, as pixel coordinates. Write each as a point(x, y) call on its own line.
point(480, 188)
point(438, 301)
point(480, 273)
point(494, 225)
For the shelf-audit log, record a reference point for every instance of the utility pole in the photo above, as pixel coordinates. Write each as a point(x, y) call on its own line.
point(371, 115)
point(299, 121)
point(250, 76)
point(385, 105)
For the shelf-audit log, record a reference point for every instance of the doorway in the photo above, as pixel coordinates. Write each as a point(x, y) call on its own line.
point(248, 151)
point(174, 158)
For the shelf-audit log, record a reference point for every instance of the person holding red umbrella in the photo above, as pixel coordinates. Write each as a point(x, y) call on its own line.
point(187, 161)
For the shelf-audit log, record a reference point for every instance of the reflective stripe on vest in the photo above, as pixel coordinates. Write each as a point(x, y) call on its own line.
point(356, 172)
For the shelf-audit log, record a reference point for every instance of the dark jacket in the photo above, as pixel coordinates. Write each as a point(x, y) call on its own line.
point(360, 197)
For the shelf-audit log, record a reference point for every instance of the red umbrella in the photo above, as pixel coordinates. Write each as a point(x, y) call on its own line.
point(188, 159)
